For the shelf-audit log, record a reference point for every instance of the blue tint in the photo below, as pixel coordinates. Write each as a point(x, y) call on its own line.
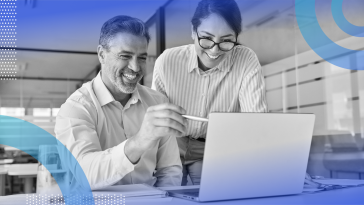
point(19, 133)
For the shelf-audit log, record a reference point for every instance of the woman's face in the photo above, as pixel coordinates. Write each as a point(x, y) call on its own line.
point(215, 28)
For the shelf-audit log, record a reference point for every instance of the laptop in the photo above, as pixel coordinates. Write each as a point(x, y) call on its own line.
point(249, 155)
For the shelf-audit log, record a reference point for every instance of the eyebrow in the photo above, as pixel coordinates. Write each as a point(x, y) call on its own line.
point(228, 35)
point(132, 53)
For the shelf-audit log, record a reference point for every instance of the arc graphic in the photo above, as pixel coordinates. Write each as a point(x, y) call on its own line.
point(324, 46)
point(19, 133)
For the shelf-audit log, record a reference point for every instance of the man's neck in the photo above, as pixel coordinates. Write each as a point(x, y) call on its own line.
point(119, 96)
point(123, 98)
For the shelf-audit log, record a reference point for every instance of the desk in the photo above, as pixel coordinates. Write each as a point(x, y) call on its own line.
point(337, 197)
point(26, 171)
point(345, 162)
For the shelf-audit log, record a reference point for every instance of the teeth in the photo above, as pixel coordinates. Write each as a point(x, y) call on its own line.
point(213, 57)
point(130, 77)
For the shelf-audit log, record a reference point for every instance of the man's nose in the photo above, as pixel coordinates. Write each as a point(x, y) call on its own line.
point(134, 65)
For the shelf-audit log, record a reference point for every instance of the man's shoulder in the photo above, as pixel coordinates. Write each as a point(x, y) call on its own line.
point(150, 96)
point(81, 98)
point(81, 95)
point(79, 105)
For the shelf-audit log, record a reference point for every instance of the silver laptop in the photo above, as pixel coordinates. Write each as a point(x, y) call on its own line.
point(250, 155)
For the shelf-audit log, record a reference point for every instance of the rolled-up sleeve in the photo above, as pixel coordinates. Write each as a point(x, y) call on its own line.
point(76, 128)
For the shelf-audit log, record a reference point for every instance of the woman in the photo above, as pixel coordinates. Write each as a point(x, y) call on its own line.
point(215, 74)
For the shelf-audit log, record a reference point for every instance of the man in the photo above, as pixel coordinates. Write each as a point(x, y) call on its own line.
point(119, 131)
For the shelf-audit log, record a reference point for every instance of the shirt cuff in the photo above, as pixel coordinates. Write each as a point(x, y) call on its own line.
point(119, 156)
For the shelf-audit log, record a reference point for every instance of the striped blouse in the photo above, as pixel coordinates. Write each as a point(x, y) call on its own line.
point(235, 85)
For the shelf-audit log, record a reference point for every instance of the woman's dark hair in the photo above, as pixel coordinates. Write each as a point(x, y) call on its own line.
point(227, 9)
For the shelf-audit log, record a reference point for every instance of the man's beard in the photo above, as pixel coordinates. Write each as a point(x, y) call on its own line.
point(126, 87)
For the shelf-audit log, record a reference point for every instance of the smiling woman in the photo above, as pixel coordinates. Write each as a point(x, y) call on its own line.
point(211, 30)
point(215, 74)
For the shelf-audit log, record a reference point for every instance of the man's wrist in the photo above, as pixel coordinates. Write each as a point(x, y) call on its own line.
point(133, 151)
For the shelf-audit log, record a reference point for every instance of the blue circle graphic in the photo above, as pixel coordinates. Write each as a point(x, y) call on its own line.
point(320, 43)
point(345, 25)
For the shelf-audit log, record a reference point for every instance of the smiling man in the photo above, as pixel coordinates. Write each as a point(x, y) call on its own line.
point(119, 131)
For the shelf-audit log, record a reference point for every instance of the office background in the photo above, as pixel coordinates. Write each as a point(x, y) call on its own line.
point(56, 53)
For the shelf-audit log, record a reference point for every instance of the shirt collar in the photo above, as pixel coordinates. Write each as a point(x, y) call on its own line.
point(136, 94)
point(102, 93)
point(104, 96)
point(225, 65)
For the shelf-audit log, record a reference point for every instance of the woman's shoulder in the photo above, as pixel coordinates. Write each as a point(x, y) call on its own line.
point(241, 51)
point(179, 51)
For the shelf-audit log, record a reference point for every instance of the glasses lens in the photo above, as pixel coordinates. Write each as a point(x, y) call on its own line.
point(226, 46)
point(206, 43)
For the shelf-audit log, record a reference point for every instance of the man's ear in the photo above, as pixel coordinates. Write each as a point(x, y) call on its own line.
point(101, 54)
point(193, 33)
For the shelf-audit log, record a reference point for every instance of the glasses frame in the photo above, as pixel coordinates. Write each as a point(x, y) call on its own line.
point(218, 44)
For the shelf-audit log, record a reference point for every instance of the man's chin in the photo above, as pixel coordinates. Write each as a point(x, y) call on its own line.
point(127, 89)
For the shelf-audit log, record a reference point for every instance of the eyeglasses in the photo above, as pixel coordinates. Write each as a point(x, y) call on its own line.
point(207, 43)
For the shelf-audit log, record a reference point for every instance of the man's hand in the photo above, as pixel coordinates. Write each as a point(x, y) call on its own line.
point(159, 121)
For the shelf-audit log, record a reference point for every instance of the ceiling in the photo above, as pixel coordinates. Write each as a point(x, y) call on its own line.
point(269, 28)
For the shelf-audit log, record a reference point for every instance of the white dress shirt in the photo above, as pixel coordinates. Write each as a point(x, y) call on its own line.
point(95, 127)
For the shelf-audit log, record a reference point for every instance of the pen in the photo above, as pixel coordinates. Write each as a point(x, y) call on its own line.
point(195, 118)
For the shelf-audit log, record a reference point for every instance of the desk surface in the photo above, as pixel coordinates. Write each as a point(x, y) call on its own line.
point(23, 169)
point(337, 197)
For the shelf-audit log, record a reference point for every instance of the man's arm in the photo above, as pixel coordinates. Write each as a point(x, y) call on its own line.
point(252, 91)
point(76, 129)
point(169, 167)
point(160, 121)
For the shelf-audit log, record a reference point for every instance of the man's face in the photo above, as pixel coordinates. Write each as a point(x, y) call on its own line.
point(124, 62)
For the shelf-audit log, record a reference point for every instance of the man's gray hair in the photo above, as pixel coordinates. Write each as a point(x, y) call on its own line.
point(120, 24)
